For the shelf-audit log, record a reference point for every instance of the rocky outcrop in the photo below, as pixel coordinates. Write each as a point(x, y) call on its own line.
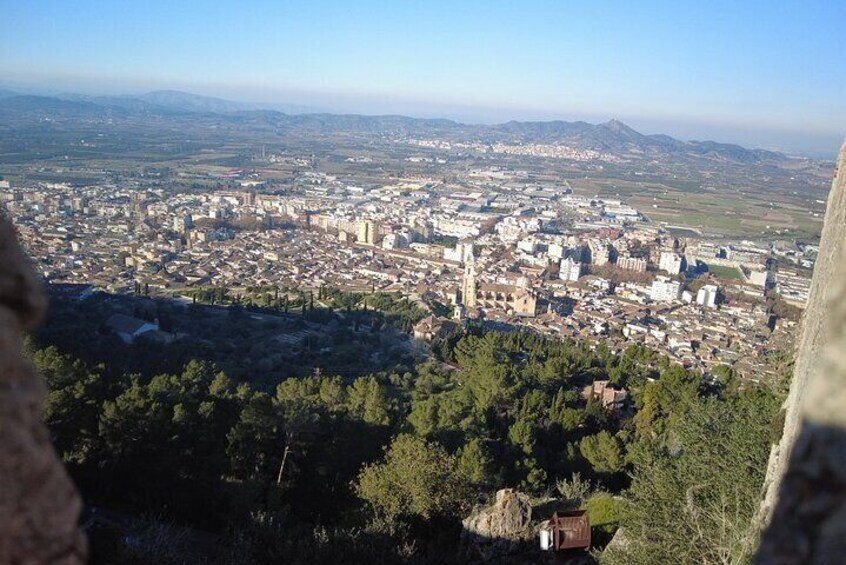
point(804, 507)
point(39, 506)
point(500, 528)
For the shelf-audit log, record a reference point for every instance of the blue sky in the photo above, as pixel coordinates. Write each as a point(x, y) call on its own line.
point(762, 73)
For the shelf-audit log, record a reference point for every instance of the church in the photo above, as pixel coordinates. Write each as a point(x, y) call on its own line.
point(518, 300)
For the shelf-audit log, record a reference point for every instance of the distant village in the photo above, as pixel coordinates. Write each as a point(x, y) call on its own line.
point(501, 250)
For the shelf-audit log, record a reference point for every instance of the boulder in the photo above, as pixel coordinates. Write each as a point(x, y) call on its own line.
point(501, 528)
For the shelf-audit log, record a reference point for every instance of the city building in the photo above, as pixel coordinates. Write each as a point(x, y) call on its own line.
point(366, 232)
point(433, 327)
point(129, 328)
point(570, 270)
point(468, 286)
point(632, 264)
point(665, 289)
point(510, 299)
point(556, 251)
point(707, 296)
point(760, 277)
point(461, 253)
point(600, 253)
point(519, 299)
point(793, 287)
point(182, 223)
point(671, 262)
point(604, 393)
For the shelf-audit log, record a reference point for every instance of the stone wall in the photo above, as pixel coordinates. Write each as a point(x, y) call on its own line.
point(804, 507)
point(39, 506)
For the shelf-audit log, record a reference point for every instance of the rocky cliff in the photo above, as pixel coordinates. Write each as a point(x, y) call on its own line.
point(39, 506)
point(804, 506)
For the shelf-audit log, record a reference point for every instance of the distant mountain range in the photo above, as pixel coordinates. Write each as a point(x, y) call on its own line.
point(172, 100)
point(613, 137)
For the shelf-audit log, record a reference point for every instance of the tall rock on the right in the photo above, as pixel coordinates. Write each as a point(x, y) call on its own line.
point(804, 509)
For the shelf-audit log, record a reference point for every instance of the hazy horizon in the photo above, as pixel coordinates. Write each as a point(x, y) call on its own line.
point(788, 142)
point(724, 72)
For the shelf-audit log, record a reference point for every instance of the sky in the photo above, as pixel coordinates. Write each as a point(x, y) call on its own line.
point(762, 73)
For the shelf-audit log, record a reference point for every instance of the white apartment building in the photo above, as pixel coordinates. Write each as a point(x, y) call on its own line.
point(707, 296)
point(600, 254)
point(570, 270)
point(632, 264)
point(665, 289)
point(671, 262)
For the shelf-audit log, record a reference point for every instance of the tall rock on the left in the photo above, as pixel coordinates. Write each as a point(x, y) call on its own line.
point(39, 506)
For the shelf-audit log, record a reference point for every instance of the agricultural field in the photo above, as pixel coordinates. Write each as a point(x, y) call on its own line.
point(727, 212)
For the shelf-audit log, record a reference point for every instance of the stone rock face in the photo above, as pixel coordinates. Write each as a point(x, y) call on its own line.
point(39, 506)
point(804, 507)
point(500, 528)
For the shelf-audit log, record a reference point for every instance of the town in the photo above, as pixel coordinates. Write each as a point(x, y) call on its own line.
point(495, 247)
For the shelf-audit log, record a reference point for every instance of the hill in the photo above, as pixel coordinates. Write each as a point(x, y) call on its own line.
point(612, 137)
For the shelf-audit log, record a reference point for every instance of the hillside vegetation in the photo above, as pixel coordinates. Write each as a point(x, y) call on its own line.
point(382, 467)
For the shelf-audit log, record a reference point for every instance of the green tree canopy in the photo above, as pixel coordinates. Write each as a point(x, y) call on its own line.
point(417, 478)
point(605, 452)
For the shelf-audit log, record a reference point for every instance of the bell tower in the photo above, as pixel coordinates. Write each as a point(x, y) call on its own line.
point(468, 285)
